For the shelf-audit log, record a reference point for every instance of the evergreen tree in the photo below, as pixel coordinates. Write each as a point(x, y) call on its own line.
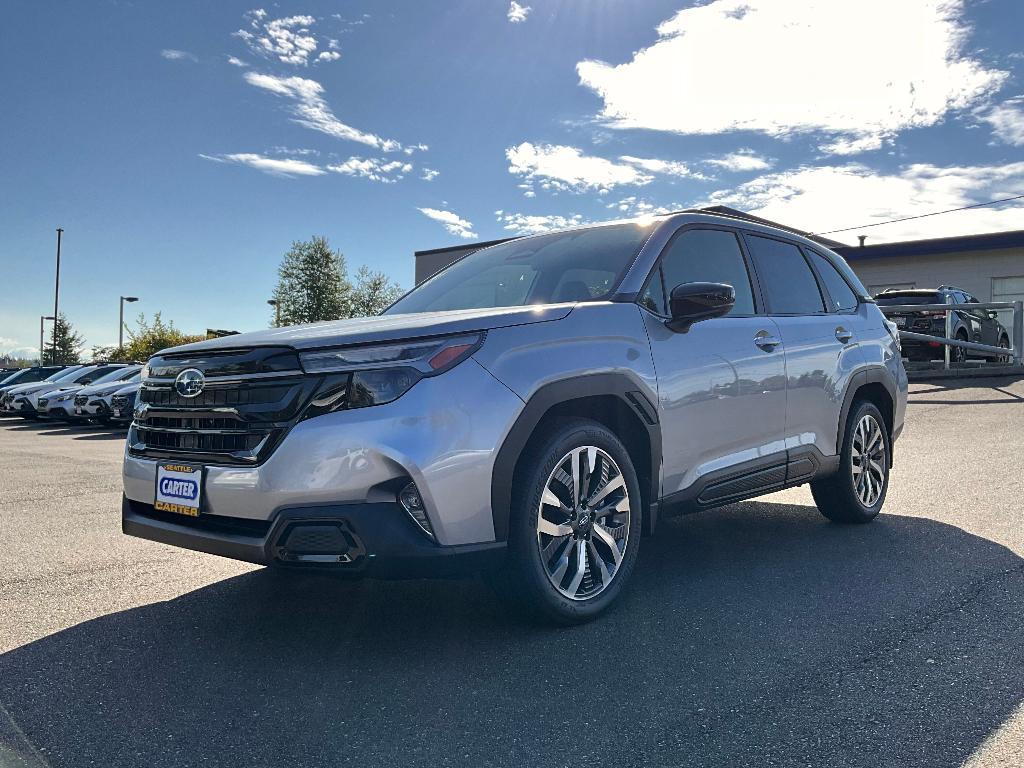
point(64, 346)
point(372, 293)
point(312, 283)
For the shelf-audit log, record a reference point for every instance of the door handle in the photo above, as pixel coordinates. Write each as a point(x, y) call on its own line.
point(843, 335)
point(766, 341)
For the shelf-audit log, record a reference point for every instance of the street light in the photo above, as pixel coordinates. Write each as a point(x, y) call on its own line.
point(277, 311)
point(120, 326)
point(56, 292)
point(43, 319)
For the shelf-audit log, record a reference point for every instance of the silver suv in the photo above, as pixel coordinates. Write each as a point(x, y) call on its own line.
point(530, 411)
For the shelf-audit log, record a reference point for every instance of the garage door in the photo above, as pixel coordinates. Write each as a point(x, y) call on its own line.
point(1007, 289)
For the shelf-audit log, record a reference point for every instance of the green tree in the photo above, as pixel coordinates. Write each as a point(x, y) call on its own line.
point(64, 346)
point(312, 283)
point(372, 293)
point(148, 338)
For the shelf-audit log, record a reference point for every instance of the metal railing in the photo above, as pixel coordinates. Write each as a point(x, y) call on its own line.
point(1016, 334)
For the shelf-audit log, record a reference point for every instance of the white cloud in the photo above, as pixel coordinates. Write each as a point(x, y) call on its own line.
point(517, 13)
point(666, 167)
point(855, 72)
point(741, 160)
point(276, 166)
point(289, 40)
point(429, 174)
point(833, 197)
point(235, 61)
point(1007, 121)
point(374, 169)
point(638, 206)
point(175, 55)
point(451, 221)
point(311, 111)
point(564, 168)
point(526, 224)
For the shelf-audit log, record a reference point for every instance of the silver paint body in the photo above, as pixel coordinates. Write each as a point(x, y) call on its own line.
point(722, 400)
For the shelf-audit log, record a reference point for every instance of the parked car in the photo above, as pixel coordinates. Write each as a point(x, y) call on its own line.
point(28, 376)
point(27, 404)
point(93, 402)
point(62, 404)
point(530, 410)
point(122, 404)
point(977, 325)
point(13, 400)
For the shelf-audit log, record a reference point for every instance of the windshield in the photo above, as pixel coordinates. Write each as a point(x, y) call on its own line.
point(58, 375)
point(13, 378)
point(118, 374)
point(579, 265)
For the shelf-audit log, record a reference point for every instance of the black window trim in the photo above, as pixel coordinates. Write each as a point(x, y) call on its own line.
point(656, 270)
point(824, 286)
point(817, 280)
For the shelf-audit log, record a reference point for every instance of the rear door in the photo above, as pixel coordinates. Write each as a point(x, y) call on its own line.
point(721, 384)
point(819, 333)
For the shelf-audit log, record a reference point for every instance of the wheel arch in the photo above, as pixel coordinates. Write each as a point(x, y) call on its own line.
point(874, 385)
point(615, 400)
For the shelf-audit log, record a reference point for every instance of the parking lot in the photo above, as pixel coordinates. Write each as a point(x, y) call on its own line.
point(758, 634)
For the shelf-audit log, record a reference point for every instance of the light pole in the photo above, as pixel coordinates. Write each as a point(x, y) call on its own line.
point(43, 319)
point(56, 291)
point(120, 325)
point(277, 311)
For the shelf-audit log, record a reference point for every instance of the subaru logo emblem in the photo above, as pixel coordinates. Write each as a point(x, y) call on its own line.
point(189, 382)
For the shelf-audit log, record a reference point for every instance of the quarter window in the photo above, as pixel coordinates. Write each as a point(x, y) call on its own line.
point(702, 256)
point(786, 276)
point(843, 297)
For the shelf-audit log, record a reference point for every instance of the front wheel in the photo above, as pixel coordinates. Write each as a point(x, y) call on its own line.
point(855, 494)
point(574, 533)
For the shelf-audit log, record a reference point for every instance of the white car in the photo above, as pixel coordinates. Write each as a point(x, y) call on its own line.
point(93, 402)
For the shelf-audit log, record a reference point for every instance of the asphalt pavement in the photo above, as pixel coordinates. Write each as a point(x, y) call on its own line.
point(754, 635)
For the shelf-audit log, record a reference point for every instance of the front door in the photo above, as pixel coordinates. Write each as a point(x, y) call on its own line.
point(722, 383)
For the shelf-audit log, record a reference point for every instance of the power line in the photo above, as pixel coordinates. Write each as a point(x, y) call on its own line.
point(922, 216)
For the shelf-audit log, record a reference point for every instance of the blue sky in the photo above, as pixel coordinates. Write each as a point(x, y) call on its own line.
point(183, 146)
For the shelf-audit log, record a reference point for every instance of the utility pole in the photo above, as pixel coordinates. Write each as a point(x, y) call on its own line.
point(120, 325)
point(56, 292)
point(42, 319)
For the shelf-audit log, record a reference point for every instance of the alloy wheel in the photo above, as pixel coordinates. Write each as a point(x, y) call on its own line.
point(583, 523)
point(868, 463)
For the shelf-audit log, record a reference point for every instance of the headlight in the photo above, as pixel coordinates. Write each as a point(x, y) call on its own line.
point(375, 375)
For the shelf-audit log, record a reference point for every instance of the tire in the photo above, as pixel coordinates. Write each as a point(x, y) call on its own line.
point(958, 354)
point(541, 575)
point(842, 497)
point(1004, 342)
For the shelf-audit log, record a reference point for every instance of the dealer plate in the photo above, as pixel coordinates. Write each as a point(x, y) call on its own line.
point(178, 488)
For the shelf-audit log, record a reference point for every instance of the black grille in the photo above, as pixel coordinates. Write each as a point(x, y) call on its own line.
point(237, 421)
point(121, 401)
point(81, 400)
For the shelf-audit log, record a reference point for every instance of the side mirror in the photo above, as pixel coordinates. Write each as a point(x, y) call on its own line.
point(690, 303)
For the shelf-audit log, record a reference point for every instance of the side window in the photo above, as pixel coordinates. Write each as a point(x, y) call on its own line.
point(843, 297)
point(654, 295)
point(786, 276)
point(703, 256)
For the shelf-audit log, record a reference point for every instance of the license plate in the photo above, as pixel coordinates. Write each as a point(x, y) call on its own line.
point(178, 488)
point(901, 322)
point(116, 412)
point(78, 410)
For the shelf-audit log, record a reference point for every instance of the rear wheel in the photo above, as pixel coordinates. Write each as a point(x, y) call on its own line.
point(855, 494)
point(958, 354)
point(574, 532)
point(1004, 343)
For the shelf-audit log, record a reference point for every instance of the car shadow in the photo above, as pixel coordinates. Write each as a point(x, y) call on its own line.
point(1000, 395)
point(758, 634)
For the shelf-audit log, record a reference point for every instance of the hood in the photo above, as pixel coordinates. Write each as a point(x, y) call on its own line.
point(383, 328)
point(34, 388)
point(129, 390)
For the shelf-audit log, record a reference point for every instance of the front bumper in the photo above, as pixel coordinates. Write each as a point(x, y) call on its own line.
point(380, 541)
point(443, 434)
